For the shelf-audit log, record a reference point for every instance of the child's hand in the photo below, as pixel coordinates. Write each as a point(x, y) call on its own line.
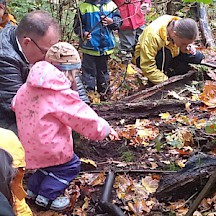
point(113, 134)
point(106, 20)
point(87, 36)
point(145, 8)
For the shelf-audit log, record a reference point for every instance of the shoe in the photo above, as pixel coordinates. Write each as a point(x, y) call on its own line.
point(31, 195)
point(60, 203)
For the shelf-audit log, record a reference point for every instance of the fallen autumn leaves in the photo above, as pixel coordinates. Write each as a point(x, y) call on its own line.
point(161, 141)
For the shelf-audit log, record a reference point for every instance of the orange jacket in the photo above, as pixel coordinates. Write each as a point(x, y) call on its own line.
point(7, 19)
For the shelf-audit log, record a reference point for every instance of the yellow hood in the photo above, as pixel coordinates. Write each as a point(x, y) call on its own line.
point(10, 142)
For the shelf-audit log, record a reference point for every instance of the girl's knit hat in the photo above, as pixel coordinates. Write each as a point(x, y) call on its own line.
point(63, 56)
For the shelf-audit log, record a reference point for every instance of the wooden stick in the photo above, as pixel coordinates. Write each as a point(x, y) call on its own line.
point(210, 183)
point(130, 171)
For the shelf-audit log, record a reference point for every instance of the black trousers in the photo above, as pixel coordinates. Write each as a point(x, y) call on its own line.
point(175, 66)
point(95, 75)
point(5, 207)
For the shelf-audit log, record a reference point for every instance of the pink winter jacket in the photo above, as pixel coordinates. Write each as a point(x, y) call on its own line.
point(131, 14)
point(47, 111)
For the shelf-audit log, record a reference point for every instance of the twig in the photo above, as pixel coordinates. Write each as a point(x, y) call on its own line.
point(210, 183)
point(208, 64)
point(130, 171)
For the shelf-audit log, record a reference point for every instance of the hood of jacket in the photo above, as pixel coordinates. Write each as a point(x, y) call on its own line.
point(45, 75)
point(10, 143)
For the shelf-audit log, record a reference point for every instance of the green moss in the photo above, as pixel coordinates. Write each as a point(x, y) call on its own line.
point(128, 156)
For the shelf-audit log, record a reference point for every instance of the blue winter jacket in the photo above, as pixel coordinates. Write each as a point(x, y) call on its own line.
point(102, 40)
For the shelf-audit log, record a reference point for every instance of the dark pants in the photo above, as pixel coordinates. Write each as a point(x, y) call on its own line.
point(175, 66)
point(5, 207)
point(51, 182)
point(95, 72)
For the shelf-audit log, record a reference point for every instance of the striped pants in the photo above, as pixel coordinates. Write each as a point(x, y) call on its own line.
point(51, 182)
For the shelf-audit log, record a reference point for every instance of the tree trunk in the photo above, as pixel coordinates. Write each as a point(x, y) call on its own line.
point(204, 25)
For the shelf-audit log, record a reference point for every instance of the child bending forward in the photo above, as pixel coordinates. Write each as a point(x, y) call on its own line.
point(47, 110)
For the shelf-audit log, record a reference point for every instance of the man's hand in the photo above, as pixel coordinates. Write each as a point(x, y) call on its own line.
point(106, 20)
point(87, 36)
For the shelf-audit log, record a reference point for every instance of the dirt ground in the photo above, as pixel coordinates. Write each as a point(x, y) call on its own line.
point(121, 155)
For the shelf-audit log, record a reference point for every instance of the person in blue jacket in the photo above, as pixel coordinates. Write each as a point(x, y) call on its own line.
point(98, 20)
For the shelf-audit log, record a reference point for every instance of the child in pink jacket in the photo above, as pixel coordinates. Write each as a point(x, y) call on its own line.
point(47, 111)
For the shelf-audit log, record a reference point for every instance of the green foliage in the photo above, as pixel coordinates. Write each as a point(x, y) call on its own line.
point(127, 156)
point(172, 167)
point(199, 1)
point(63, 12)
point(20, 7)
point(211, 127)
point(159, 144)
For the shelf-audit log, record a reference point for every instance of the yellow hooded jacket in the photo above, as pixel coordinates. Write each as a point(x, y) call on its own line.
point(153, 39)
point(10, 142)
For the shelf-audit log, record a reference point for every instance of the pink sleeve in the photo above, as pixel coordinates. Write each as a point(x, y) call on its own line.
point(80, 117)
point(13, 103)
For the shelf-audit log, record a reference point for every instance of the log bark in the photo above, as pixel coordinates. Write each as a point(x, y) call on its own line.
point(204, 25)
point(188, 181)
point(132, 111)
point(164, 86)
point(209, 185)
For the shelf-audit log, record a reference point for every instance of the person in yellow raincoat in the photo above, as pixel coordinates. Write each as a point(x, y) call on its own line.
point(165, 48)
point(13, 190)
point(5, 18)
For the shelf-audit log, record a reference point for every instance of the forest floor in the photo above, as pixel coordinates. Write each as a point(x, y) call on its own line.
point(158, 135)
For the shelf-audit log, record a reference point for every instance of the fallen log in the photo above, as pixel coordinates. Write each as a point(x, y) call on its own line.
point(146, 108)
point(209, 185)
point(131, 111)
point(204, 25)
point(188, 181)
point(166, 85)
point(209, 64)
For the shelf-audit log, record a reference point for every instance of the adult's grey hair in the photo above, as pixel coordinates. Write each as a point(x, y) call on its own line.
point(7, 172)
point(186, 28)
point(35, 24)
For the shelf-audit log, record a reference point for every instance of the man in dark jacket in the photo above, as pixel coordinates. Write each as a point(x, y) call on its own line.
point(5, 207)
point(21, 47)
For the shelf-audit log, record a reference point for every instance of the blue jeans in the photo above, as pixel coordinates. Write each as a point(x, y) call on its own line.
point(51, 182)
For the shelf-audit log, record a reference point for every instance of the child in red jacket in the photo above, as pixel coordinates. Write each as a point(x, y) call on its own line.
point(133, 16)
